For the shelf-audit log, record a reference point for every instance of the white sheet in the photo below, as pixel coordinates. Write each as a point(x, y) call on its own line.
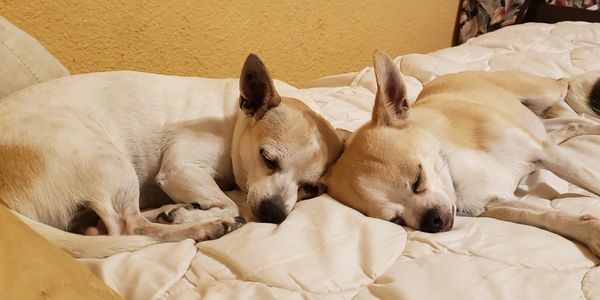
point(327, 251)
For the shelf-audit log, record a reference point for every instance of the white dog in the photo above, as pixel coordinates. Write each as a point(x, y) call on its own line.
point(465, 144)
point(105, 144)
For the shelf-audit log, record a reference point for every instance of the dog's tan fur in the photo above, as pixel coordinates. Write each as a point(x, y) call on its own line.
point(465, 144)
point(19, 167)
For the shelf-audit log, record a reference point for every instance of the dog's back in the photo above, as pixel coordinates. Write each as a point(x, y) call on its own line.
point(478, 106)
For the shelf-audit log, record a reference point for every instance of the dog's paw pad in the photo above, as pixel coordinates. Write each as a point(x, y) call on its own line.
point(192, 206)
point(227, 227)
point(217, 229)
point(165, 218)
point(231, 226)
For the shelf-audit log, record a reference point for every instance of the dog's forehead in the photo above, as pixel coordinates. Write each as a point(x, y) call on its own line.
point(297, 128)
point(287, 124)
point(389, 149)
point(376, 158)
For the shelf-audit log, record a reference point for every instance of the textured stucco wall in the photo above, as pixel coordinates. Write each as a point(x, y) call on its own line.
point(300, 40)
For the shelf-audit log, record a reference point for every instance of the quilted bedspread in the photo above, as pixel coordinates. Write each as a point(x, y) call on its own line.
point(325, 250)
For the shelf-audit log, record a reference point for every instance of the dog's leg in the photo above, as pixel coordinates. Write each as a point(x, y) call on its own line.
point(135, 223)
point(544, 96)
point(200, 231)
point(541, 95)
point(211, 200)
point(164, 211)
point(131, 221)
point(117, 205)
point(572, 130)
point(546, 102)
point(560, 162)
point(584, 229)
point(187, 181)
point(108, 215)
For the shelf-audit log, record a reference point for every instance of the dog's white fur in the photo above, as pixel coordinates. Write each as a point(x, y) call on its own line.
point(465, 144)
point(117, 141)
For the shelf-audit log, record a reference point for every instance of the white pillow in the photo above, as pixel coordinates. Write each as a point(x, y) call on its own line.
point(23, 60)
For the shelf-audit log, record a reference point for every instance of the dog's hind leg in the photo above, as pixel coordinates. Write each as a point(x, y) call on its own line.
point(567, 166)
point(542, 95)
point(584, 228)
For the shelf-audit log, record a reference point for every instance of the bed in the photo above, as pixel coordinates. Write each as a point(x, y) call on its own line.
point(325, 250)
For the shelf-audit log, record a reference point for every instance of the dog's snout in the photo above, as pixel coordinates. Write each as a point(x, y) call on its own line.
point(271, 211)
point(432, 221)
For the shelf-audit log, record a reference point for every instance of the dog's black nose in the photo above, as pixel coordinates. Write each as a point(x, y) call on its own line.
point(271, 211)
point(432, 221)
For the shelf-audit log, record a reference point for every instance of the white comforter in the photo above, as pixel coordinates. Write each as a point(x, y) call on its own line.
point(325, 250)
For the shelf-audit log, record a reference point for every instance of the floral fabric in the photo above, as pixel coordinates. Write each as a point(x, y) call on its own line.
point(586, 4)
point(481, 16)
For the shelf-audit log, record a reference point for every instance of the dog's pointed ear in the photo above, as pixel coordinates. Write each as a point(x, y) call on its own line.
point(257, 91)
point(391, 104)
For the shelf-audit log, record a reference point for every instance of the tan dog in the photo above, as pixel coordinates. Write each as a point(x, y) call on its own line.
point(464, 145)
point(105, 144)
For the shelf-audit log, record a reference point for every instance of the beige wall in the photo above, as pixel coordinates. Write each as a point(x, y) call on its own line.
point(299, 40)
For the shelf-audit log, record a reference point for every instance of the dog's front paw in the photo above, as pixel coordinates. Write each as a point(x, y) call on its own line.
point(220, 228)
point(183, 214)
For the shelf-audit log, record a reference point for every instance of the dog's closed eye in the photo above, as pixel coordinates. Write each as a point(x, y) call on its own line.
point(418, 186)
point(271, 163)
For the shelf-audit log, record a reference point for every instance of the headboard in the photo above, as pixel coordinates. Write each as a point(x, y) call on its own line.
point(540, 11)
point(473, 18)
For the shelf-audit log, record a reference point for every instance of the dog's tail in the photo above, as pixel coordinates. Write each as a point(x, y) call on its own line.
point(88, 245)
point(584, 93)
